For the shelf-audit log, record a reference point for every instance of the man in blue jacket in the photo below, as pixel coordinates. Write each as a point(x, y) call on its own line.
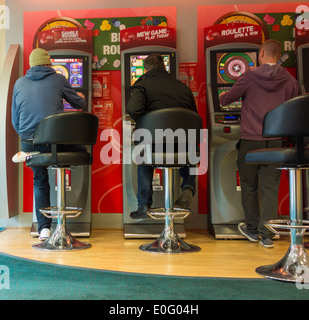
point(37, 95)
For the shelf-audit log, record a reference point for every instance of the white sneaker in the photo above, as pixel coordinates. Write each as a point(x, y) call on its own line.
point(23, 156)
point(44, 234)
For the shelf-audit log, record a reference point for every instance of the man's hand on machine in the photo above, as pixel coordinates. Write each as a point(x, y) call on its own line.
point(80, 94)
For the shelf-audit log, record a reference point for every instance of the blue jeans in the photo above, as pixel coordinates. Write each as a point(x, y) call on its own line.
point(144, 180)
point(41, 188)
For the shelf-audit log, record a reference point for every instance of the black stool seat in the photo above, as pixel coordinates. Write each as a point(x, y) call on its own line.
point(64, 159)
point(277, 156)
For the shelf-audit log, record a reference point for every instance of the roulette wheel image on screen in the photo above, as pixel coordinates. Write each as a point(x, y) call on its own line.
point(62, 70)
point(232, 65)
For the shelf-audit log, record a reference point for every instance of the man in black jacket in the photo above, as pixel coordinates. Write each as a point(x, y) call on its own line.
point(157, 89)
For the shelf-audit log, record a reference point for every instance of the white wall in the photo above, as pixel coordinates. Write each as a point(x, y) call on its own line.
point(2, 41)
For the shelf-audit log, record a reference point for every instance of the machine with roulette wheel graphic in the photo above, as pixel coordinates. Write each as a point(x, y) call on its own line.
point(225, 63)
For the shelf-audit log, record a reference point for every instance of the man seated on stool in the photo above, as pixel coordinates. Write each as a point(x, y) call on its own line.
point(154, 90)
point(37, 95)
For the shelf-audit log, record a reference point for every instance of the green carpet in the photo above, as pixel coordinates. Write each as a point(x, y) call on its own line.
point(31, 280)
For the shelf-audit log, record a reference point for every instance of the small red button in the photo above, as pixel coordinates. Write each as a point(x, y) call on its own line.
point(227, 129)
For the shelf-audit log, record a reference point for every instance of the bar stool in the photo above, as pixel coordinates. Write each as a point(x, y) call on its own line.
point(69, 128)
point(290, 119)
point(160, 156)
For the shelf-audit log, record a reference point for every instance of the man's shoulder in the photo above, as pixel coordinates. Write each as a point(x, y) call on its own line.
point(21, 82)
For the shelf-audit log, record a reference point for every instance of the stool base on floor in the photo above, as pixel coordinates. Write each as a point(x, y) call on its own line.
point(61, 240)
point(176, 245)
point(294, 266)
point(169, 241)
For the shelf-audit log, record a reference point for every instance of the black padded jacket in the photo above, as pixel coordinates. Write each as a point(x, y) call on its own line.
point(157, 89)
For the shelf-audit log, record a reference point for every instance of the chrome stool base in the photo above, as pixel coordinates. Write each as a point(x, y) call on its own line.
point(168, 245)
point(291, 267)
point(61, 240)
point(169, 242)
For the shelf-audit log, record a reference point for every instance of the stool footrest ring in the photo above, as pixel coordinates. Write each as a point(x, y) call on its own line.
point(286, 224)
point(69, 212)
point(161, 213)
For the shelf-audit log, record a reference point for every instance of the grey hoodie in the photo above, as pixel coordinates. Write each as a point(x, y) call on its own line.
point(37, 95)
point(261, 90)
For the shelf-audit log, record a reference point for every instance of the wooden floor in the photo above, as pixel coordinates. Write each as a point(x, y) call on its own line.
point(110, 251)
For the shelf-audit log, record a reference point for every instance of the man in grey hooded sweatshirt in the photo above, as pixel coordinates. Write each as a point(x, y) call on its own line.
point(37, 95)
point(261, 90)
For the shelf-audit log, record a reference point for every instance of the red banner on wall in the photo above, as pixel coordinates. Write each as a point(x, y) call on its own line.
point(147, 35)
point(232, 32)
point(301, 36)
point(66, 38)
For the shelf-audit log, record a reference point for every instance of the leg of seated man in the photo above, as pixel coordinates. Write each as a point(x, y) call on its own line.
point(187, 187)
point(144, 192)
point(41, 188)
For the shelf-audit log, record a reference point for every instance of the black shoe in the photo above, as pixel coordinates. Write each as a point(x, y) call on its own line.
point(184, 200)
point(267, 243)
point(140, 213)
point(253, 237)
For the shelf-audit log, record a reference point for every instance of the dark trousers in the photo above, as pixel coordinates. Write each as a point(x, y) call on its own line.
point(144, 180)
point(259, 188)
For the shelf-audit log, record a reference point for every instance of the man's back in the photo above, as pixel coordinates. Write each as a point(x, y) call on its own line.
point(261, 90)
point(37, 95)
point(157, 89)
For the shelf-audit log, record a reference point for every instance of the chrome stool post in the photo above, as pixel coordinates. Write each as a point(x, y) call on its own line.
point(169, 242)
point(61, 239)
point(295, 263)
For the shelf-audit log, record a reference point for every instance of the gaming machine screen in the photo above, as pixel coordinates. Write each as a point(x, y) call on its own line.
point(227, 68)
point(134, 67)
point(137, 66)
point(71, 69)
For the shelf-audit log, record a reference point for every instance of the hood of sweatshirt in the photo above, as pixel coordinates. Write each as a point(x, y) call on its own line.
point(269, 77)
point(39, 72)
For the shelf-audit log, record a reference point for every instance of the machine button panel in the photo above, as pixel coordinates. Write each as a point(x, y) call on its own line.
point(227, 118)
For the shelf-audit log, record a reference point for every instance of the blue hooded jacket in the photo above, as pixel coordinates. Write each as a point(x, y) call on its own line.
point(38, 95)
